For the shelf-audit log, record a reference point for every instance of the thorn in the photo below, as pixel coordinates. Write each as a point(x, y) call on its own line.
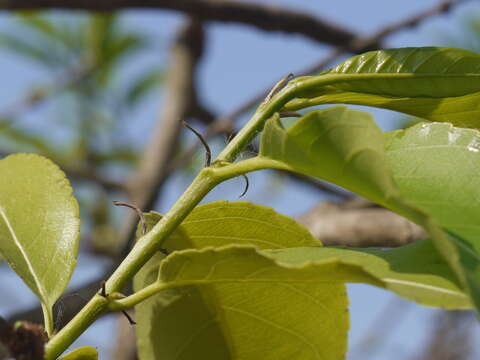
point(208, 152)
point(290, 114)
point(278, 86)
point(137, 210)
point(129, 318)
point(247, 184)
point(231, 136)
point(103, 291)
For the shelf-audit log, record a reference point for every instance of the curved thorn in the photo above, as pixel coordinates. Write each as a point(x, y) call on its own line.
point(278, 86)
point(247, 184)
point(137, 210)
point(103, 291)
point(208, 152)
point(129, 318)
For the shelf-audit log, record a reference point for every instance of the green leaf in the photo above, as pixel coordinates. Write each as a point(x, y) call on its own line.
point(240, 321)
point(345, 147)
point(438, 84)
point(434, 166)
point(424, 71)
point(39, 226)
point(82, 353)
point(340, 145)
point(416, 272)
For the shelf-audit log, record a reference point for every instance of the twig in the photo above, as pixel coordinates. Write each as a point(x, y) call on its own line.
point(265, 17)
point(40, 94)
point(88, 174)
point(357, 224)
point(137, 210)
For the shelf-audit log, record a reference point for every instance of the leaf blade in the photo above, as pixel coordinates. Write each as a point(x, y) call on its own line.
point(437, 84)
point(430, 282)
point(354, 155)
point(217, 321)
point(39, 222)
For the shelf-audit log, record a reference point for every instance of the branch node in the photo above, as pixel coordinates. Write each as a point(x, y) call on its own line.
point(208, 152)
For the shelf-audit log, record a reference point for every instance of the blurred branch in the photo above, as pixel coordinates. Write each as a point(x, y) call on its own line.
point(359, 223)
point(39, 94)
point(451, 337)
point(88, 174)
point(319, 185)
point(265, 17)
point(91, 174)
point(381, 328)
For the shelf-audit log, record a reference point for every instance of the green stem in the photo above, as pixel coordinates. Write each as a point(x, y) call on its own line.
point(206, 180)
point(143, 250)
point(138, 297)
point(48, 320)
point(146, 246)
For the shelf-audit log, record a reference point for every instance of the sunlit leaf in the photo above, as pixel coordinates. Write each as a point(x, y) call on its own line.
point(438, 84)
point(398, 171)
point(240, 321)
point(416, 271)
point(39, 225)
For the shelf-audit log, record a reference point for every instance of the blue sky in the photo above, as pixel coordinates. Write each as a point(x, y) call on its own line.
point(238, 63)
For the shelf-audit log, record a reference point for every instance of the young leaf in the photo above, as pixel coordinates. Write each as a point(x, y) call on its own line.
point(82, 353)
point(39, 226)
point(437, 84)
point(415, 271)
point(410, 72)
point(340, 145)
point(224, 321)
point(347, 148)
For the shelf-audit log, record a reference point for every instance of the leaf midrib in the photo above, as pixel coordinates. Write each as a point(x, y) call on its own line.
point(18, 244)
